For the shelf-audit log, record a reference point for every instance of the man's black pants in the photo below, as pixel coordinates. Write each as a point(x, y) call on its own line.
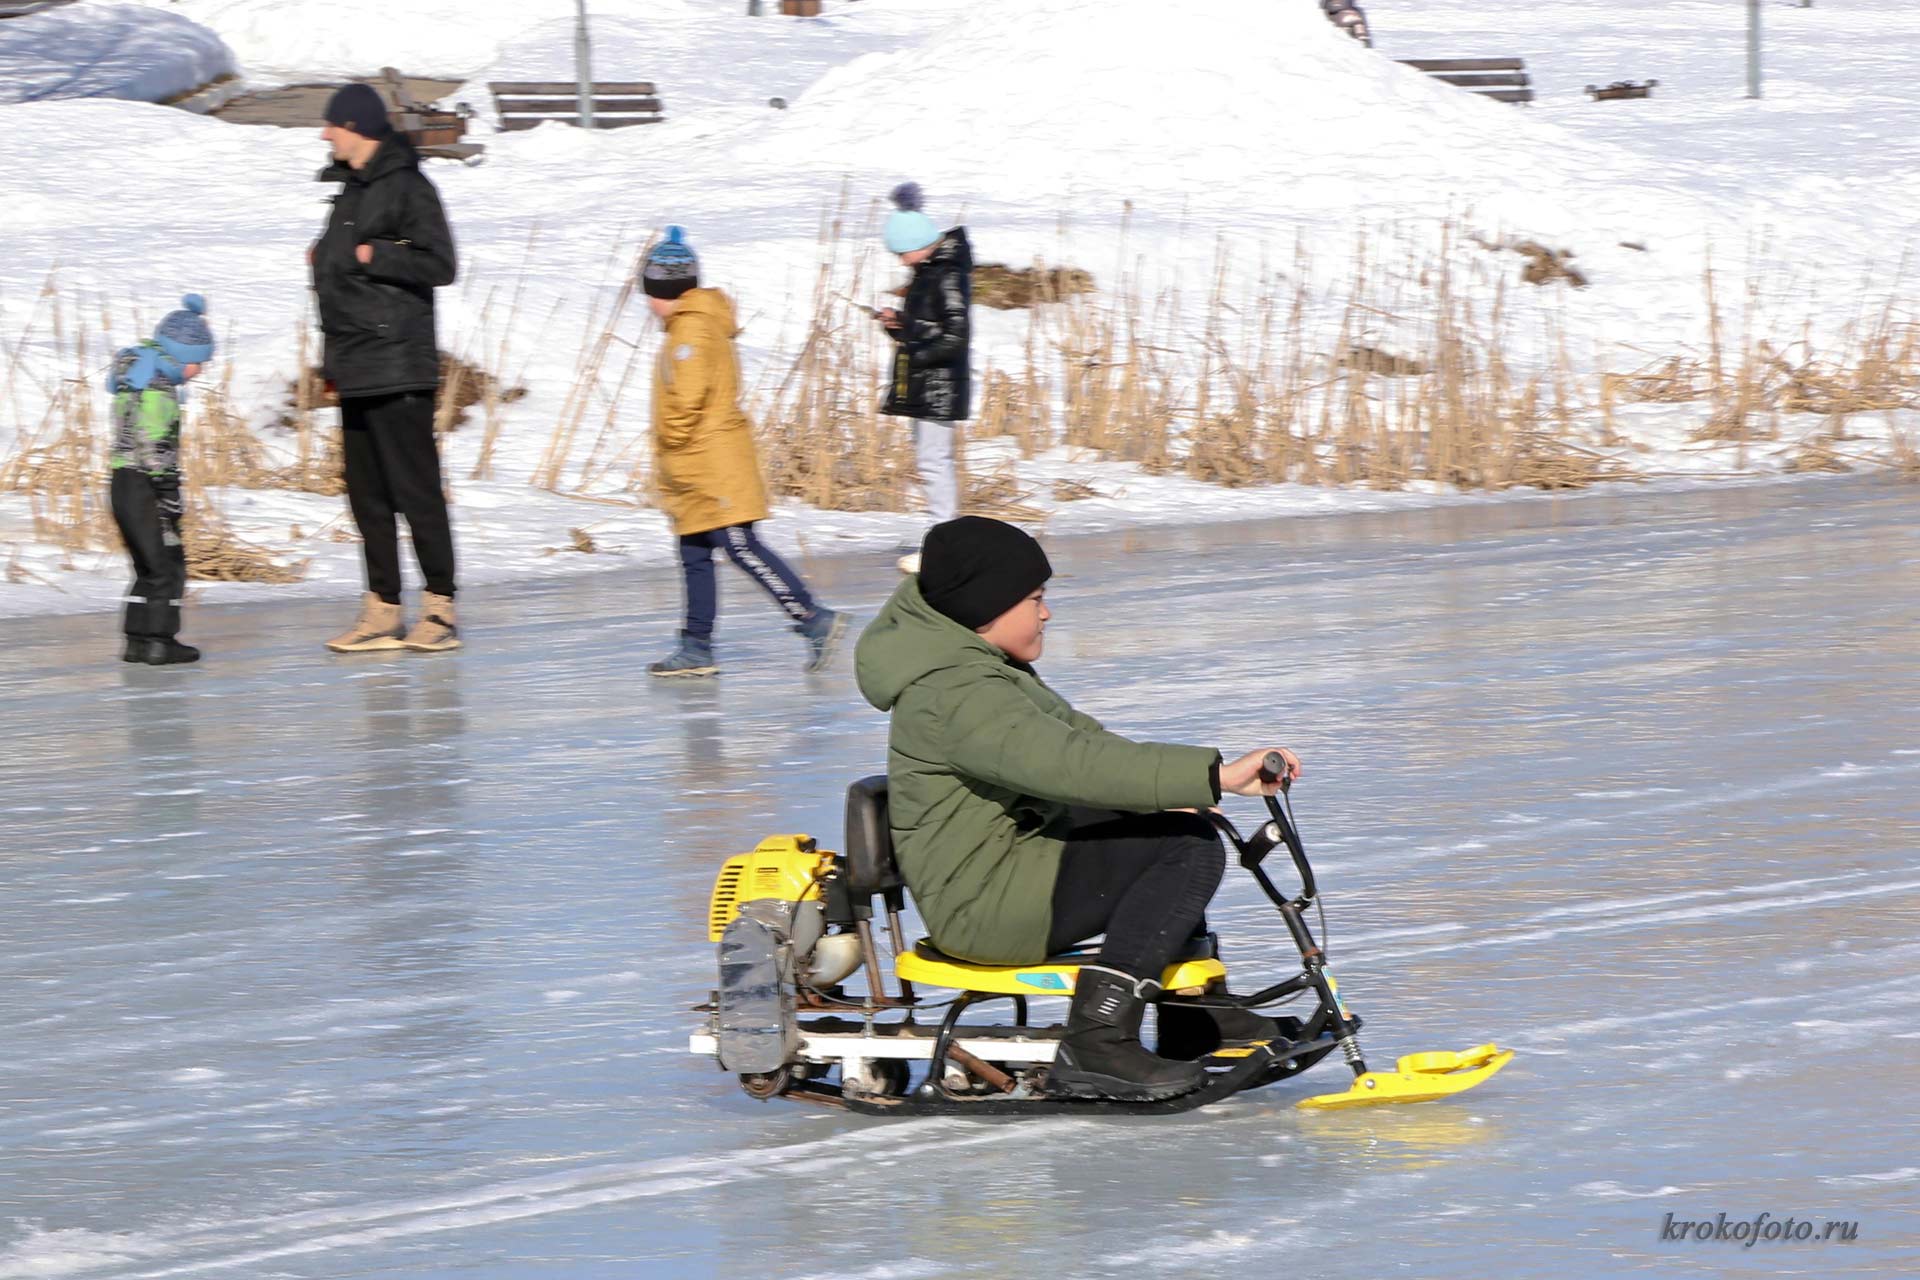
point(148, 513)
point(393, 468)
point(1143, 879)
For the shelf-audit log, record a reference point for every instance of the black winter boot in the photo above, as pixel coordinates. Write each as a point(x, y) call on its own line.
point(1101, 1055)
point(136, 650)
point(1189, 1029)
point(164, 651)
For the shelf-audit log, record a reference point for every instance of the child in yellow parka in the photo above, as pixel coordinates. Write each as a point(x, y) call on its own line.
point(706, 471)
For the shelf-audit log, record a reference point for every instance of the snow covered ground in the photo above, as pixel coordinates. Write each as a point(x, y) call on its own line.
point(132, 50)
point(1247, 128)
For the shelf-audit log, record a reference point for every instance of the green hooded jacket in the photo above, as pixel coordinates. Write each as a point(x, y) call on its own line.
point(983, 761)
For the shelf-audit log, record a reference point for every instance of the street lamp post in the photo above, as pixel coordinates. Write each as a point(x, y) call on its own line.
point(1753, 48)
point(583, 64)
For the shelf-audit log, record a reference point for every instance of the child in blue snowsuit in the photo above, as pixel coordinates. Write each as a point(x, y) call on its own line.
point(147, 383)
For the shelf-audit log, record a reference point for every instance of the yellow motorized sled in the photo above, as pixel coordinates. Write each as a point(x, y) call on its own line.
point(794, 922)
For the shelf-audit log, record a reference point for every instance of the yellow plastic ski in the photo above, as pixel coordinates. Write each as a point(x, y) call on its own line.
point(1418, 1077)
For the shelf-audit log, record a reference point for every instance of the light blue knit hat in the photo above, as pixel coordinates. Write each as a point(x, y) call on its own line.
point(184, 334)
point(908, 228)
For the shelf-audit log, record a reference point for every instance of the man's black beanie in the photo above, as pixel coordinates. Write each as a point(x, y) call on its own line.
point(974, 569)
point(358, 107)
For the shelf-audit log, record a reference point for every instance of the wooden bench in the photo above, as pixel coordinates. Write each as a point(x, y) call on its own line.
point(1503, 79)
point(524, 104)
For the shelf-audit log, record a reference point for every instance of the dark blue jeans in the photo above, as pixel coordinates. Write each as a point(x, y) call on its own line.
point(760, 564)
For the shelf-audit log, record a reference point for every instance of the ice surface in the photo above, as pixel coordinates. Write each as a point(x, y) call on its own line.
point(331, 968)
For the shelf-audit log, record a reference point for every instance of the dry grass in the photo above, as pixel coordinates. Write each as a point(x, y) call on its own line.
point(216, 554)
point(822, 437)
point(1906, 457)
point(464, 386)
point(1007, 288)
point(1411, 367)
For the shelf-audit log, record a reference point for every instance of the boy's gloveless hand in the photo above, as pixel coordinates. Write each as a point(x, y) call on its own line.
point(1241, 777)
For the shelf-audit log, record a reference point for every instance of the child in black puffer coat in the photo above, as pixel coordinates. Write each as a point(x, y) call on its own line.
point(931, 379)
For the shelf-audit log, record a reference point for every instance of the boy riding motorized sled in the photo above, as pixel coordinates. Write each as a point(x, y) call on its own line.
point(1021, 827)
point(1024, 827)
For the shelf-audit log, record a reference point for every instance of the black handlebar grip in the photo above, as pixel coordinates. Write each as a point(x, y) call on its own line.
point(1274, 767)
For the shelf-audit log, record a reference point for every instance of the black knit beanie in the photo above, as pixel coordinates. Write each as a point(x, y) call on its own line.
point(358, 107)
point(974, 569)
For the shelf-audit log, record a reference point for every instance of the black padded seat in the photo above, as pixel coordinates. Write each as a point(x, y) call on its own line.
point(870, 865)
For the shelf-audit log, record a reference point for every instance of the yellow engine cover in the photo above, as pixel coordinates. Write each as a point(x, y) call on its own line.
point(784, 867)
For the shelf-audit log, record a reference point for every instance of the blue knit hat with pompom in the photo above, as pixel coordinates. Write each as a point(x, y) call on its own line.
point(670, 267)
point(908, 228)
point(184, 334)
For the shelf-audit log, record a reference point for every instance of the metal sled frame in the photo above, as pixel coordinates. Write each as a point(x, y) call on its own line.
point(999, 1069)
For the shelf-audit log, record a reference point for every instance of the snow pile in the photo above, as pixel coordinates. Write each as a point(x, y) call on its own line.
point(107, 51)
point(1246, 111)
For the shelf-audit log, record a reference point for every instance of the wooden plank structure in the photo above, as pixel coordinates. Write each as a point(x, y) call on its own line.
point(432, 132)
point(523, 104)
point(1502, 79)
point(1622, 89)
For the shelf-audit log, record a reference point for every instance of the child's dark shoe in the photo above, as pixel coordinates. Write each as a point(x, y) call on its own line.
point(694, 658)
point(165, 652)
point(823, 631)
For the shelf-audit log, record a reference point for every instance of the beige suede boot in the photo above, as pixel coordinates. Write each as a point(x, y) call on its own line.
point(380, 627)
point(435, 632)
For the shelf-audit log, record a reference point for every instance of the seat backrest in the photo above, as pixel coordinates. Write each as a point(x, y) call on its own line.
point(870, 865)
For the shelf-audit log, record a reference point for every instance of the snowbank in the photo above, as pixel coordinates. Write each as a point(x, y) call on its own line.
point(1244, 122)
point(1234, 109)
point(107, 51)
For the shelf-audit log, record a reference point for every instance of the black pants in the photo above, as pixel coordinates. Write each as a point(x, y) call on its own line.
point(148, 513)
point(1143, 879)
point(393, 467)
point(744, 548)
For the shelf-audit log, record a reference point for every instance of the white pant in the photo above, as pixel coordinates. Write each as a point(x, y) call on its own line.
point(939, 479)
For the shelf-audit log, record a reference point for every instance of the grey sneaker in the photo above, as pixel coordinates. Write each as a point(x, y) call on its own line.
point(694, 657)
point(823, 632)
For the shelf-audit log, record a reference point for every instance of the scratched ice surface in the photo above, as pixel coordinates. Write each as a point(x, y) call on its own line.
point(320, 967)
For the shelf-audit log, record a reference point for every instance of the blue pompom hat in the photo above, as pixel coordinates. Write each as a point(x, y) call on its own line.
point(671, 267)
point(184, 334)
point(908, 228)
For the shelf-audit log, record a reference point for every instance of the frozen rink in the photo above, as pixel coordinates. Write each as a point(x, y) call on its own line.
point(330, 967)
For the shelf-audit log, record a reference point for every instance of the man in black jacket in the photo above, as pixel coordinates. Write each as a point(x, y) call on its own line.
point(385, 250)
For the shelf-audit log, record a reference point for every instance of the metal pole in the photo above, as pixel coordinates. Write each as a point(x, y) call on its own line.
point(583, 64)
point(1753, 48)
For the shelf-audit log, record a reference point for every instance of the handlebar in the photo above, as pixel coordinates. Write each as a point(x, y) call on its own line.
point(1274, 833)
